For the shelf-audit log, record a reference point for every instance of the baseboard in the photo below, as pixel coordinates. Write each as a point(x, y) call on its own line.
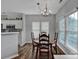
point(23, 44)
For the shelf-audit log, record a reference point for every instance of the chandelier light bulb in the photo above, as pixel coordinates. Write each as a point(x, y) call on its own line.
point(44, 10)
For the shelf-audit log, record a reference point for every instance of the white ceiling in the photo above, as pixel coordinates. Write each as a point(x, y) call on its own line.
point(30, 6)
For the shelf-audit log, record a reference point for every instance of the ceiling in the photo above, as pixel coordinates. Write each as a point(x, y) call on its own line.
point(30, 6)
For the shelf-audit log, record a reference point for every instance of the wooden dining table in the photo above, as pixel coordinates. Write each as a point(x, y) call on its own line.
point(51, 42)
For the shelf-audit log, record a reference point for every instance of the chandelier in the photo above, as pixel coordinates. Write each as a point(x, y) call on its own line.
point(45, 11)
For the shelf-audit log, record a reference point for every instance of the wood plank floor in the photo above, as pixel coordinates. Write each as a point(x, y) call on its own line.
point(25, 52)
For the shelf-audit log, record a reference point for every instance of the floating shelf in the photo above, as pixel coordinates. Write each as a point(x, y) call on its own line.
point(11, 18)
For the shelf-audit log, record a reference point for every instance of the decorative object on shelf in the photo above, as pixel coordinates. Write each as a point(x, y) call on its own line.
point(11, 16)
point(6, 18)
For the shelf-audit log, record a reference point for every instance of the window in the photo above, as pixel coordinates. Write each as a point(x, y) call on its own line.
point(72, 40)
point(62, 30)
point(38, 27)
point(68, 33)
point(45, 27)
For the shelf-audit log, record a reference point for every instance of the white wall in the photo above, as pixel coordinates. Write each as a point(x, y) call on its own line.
point(9, 44)
point(24, 30)
point(10, 15)
point(66, 10)
point(27, 25)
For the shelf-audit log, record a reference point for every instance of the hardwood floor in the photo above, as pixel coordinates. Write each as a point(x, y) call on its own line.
point(25, 52)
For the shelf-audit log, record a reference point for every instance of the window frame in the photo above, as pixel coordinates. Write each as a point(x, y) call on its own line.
point(66, 31)
point(66, 17)
point(40, 26)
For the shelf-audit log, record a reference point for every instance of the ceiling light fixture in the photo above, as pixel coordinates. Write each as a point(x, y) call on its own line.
point(45, 11)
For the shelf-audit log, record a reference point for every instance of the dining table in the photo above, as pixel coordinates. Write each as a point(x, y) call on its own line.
point(51, 42)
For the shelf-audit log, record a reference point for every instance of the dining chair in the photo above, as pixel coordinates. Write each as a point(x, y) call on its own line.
point(34, 45)
point(54, 45)
point(43, 45)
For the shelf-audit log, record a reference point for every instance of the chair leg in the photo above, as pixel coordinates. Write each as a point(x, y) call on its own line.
point(39, 54)
point(36, 53)
point(52, 53)
point(32, 49)
point(48, 55)
point(55, 49)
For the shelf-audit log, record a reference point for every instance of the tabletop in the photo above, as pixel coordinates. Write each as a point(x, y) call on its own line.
point(51, 41)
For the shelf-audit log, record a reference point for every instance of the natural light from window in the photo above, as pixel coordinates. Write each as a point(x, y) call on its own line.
point(68, 33)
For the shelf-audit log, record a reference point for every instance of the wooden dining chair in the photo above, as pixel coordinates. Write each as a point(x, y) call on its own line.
point(54, 45)
point(34, 45)
point(43, 45)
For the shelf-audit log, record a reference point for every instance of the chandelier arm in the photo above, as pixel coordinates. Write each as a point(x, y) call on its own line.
point(44, 12)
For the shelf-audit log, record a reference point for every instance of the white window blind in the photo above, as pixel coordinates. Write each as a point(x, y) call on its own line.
point(72, 38)
point(68, 33)
point(45, 27)
point(36, 28)
point(62, 30)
